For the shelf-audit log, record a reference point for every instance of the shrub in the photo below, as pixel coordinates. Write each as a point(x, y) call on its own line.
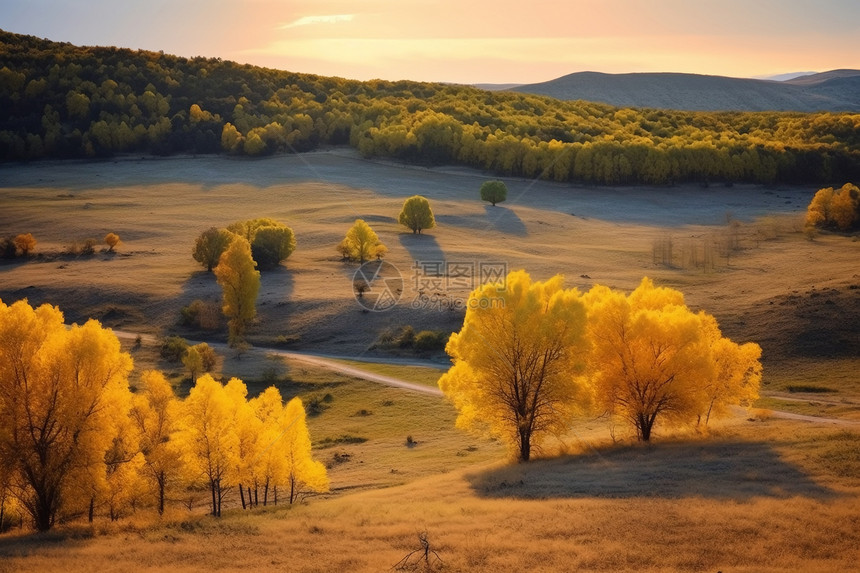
point(89, 247)
point(8, 250)
point(25, 243)
point(201, 314)
point(406, 338)
point(286, 339)
point(173, 348)
point(430, 341)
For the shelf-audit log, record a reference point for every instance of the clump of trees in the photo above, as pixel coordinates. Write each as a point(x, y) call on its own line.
point(416, 214)
point(531, 355)
point(494, 192)
point(75, 441)
point(834, 209)
point(104, 101)
point(361, 243)
point(271, 242)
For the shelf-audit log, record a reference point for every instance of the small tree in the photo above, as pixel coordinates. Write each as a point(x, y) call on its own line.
point(210, 245)
point(494, 192)
point(240, 282)
point(25, 243)
point(193, 362)
point(417, 214)
point(362, 243)
point(111, 240)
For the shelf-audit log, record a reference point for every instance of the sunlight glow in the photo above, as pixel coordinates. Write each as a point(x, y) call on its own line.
point(307, 20)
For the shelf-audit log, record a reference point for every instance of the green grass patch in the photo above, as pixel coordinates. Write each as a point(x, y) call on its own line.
point(810, 388)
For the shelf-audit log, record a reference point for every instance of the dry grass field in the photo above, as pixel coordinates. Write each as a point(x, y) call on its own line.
point(759, 493)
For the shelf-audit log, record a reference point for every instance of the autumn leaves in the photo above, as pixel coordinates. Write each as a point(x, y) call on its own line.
point(532, 355)
point(74, 440)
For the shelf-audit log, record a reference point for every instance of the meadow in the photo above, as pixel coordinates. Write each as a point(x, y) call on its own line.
point(758, 493)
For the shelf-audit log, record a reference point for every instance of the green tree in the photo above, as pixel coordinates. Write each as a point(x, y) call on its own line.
point(519, 361)
point(271, 241)
point(210, 245)
point(240, 282)
point(417, 214)
point(494, 192)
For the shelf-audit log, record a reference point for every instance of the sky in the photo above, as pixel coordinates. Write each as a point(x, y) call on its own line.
point(467, 41)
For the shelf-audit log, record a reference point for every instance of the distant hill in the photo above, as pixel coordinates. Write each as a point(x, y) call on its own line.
point(837, 90)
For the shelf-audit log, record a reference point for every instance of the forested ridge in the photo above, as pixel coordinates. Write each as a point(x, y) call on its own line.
point(63, 101)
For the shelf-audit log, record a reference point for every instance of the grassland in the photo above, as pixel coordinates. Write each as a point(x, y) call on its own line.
point(758, 493)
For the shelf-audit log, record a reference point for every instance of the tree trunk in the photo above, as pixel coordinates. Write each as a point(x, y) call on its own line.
point(256, 497)
point(266, 492)
point(242, 496)
point(92, 508)
point(161, 480)
point(645, 423)
point(525, 444)
point(275, 490)
point(214, 503)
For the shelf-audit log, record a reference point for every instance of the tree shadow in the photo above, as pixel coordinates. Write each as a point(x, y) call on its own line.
point(505, 220)
point(424, 249)
point(714, 470)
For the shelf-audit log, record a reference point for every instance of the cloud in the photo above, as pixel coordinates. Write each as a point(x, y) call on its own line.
point(308, 20)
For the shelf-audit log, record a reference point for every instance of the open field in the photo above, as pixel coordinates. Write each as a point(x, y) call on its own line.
point(763, 495)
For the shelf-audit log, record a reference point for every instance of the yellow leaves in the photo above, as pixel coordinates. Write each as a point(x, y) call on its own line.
point(517, 360)
point(63, 398)
point(362, 243)
point(839, 209)
point(532, 354)
point(240, 282)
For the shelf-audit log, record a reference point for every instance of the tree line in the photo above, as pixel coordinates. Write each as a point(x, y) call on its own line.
point(76, 441)
point(59, 100)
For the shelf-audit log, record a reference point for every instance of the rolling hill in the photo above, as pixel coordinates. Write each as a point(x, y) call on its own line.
point(836, 90)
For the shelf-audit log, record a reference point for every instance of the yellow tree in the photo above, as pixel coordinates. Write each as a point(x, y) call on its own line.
point(155, 414)
point(417, 214)
point(361, 242)
point(269, 409)
point(652, 357)
point(240, 283)
point(58, 391)
point(247, 427)
point(302, 473)
point(193, 361)
point(25, 242)
point(518, 361)
point(111, 240)
point(207, 438)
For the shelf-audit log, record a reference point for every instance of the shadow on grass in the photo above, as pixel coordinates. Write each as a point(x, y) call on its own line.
point(505, 220)
point(715, 470)
point(422, 248)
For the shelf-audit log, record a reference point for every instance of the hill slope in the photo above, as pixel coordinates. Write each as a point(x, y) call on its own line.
point(837, 90)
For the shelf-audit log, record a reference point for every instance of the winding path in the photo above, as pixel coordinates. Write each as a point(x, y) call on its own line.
point(332, 362)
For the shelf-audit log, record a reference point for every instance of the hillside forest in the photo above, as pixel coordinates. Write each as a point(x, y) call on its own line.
point(58, 100)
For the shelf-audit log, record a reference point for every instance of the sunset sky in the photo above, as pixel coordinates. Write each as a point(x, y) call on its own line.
point(467, 41)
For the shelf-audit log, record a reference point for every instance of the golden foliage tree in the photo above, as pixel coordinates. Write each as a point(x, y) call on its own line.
point(301, 472)
point(155, 414)
point(240, 282)
point(61, 391)
point(361, 242)
point(207, 438)
point(25, 242)
point(652, 357)
point(416, 214)
point(519, 360)
point(111, 240)
point(838, 209)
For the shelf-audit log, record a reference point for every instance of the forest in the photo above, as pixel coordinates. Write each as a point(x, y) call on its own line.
point(58, 100)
